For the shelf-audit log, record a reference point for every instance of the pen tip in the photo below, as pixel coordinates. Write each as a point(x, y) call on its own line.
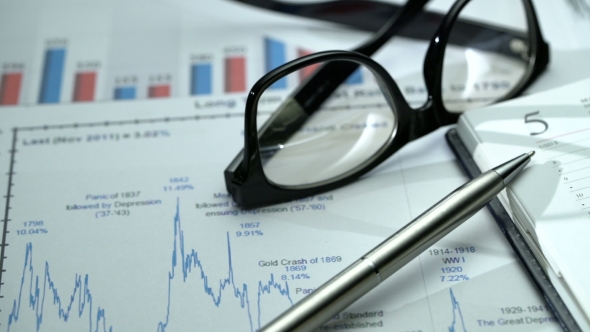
point(511, 168)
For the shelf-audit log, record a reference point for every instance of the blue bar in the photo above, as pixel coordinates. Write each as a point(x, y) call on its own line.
point(201, 79)
point(125, 92)
point(53, 69)
point(355, 78)
point(275, 56)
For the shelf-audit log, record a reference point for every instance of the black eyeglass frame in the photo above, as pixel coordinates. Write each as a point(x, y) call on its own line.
point(245, 178)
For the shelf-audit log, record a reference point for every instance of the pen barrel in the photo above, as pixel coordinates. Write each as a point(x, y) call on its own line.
point(432, 225)
point(328, 300)
point(389, 256)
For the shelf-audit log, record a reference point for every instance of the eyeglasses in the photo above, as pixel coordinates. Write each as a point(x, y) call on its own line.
point(348, 115)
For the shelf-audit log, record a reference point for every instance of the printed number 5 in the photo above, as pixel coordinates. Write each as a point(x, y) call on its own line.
point(527, 120)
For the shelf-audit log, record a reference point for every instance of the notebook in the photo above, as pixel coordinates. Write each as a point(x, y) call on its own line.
point(550, 201)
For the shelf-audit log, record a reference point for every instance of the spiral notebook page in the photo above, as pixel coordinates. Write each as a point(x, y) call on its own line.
point(551, 199)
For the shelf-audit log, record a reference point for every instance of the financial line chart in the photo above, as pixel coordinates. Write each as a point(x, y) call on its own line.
point(126, 225)
point(191, 260)
point(81, 296)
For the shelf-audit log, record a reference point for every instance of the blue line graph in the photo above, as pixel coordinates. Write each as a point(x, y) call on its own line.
point(81, 296)
point(190, 261)
point(456, 312)
point(40, 291)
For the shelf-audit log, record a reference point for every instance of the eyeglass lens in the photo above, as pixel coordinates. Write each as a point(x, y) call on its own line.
point(493, 60)
point(349, 128)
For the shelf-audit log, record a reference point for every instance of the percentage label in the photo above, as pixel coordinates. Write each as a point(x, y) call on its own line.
point(152, 134)
point(32, 231)
point(254, 233)
point(454, 278)
point(179, 187)
point(298, 276)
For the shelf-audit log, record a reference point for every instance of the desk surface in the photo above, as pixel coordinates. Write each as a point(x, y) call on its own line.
point(118, 215)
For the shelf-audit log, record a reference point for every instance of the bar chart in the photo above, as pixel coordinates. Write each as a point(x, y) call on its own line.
point(84, 86)
point(201, 75)
point(124, 92)
point(97, 51)
point(274, 57)
point(53, 68)
point(10, 87)
point(159, 86)
point(125, 88)
point(305, 72)
point(235, 62)
point(85, 80)
point(235, 69)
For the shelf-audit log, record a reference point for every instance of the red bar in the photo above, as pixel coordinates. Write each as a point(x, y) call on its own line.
point(159, 91)
point(84, 86)
point(235, 74)
point(10, 88)
point(303, 73)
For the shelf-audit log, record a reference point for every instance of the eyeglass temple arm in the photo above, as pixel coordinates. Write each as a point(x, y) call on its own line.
point(363, 15)
point(373, 15)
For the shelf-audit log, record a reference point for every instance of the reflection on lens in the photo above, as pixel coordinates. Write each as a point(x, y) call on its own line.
point(484, 64)
point(320, 133)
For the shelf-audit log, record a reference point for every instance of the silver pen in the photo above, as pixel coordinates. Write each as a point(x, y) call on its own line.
point(397, 250)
